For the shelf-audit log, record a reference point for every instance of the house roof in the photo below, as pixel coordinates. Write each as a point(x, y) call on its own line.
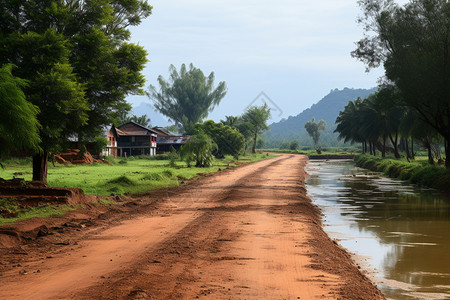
point(163, 131)
point(134, 130)
point(170, 140)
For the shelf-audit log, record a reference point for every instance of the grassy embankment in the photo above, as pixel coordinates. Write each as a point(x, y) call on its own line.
point(133, 175)
point(325, 151)
point(417, 172)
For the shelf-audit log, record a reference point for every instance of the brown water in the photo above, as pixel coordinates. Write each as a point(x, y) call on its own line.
point(400, 234)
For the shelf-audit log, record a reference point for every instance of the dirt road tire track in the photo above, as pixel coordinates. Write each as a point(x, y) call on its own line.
point(248, 233)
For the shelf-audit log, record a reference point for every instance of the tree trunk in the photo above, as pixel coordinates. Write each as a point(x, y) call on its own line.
point(394, 143)
point(383, 153)
point(408, 155)
point(412, 148)
point(254, 143)
point(40, 162)
point(427, 145)
point(447, 152)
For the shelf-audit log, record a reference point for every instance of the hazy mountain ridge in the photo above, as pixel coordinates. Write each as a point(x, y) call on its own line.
point(326, 109)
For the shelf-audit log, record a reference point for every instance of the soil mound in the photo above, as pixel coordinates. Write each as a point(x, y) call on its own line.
point(34, 193)
point(75, 156)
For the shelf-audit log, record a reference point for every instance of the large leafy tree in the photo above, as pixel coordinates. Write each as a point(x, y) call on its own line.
point(314, 128)
point(228, 140)
point(188, 97)
point(78, 64)
point(18, 123)
point(254, 120)
point(412, 42)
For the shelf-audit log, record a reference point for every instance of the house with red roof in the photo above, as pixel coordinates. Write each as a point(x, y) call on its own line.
point(131, 139)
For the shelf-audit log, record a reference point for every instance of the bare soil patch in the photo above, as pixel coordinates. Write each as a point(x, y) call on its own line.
point(243, 233)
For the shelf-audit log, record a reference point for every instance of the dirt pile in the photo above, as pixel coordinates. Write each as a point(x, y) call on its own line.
point(75, 157)
point(33, 193)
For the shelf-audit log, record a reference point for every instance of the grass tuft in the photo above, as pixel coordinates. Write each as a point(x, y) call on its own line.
point(122, 180)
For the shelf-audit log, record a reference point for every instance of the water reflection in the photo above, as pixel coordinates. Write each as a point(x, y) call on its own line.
point(402, 231)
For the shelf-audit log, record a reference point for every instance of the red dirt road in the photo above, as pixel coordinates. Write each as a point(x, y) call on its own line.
point(244, 233)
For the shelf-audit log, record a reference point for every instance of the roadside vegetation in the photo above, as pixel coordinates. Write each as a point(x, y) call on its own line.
point(418, 172)
point(310, 151)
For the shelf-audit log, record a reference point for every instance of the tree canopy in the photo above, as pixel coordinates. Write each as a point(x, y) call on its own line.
point(125, 117)
point(229, 140)
point(314, 128)
point(18, 124)
point(412, 43)
point(255, 121)
point(77, 62)
point(187, 97)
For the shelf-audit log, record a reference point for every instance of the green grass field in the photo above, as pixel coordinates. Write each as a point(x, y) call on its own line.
point(125, 176)
point(133, 175)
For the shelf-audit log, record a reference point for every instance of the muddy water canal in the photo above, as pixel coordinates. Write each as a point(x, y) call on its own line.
point(399, 234)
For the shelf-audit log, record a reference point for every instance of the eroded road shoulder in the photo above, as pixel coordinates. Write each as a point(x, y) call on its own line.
point(249, 233)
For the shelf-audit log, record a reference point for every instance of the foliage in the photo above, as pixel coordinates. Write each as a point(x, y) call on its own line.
point(188, 97)
point(314, 128)
point(254, 120)
point(412, 44)
point(125, 117)
point(199, 148)
point(229, 140)
point(173, 157)
point(418, 172)
point(293, 145)
point(99, 144)
point(77, 62)
point(18, 124)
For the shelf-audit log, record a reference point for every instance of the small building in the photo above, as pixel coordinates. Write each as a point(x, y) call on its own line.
point(161, 131)
point(131, 139)
point(165, 142)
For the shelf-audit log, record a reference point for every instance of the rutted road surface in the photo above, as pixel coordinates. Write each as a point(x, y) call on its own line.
point(244, 233)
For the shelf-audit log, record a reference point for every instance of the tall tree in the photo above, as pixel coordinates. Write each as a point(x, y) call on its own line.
point(18, 124)
point(314, 128)
point(255, 119)
point(77, 61)
point(125, 117)
point(188, 97)
point(412, 42)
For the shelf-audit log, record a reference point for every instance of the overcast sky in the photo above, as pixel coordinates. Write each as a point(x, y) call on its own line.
point(295, 51)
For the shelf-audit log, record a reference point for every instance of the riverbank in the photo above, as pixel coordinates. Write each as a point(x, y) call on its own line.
point(397, 231)
point(420, 173)
point(246, 232)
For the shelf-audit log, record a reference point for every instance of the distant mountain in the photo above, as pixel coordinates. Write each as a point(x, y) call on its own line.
point(326, 109)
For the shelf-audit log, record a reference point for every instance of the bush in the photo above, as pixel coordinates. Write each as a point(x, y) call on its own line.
point(200, 149)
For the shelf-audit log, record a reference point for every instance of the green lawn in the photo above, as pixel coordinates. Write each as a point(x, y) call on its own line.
point(125, 176)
